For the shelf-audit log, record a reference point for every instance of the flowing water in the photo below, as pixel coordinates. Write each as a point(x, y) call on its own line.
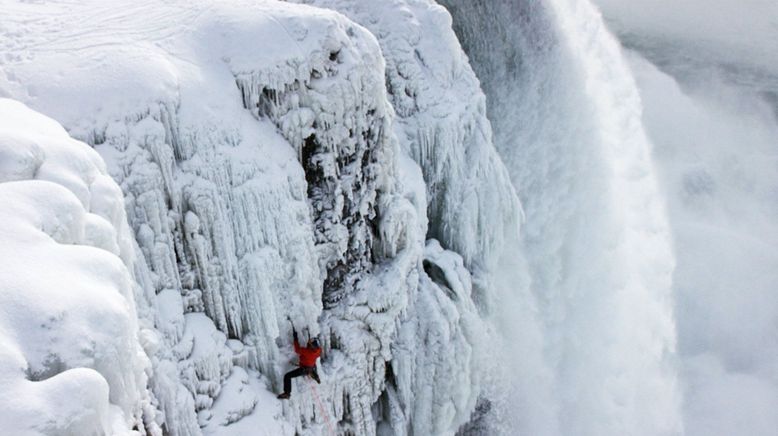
point(567, 118)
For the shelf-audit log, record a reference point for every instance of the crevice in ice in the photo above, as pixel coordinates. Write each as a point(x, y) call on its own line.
point(437, 275)
point(340, 148)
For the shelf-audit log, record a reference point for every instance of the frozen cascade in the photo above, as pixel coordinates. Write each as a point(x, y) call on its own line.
point(335, 115)
point(239, 273)
point(283, 160)
point(472, 208)
point(566, 114)
point(305, 205)
point(443, 321)
point(441, 123)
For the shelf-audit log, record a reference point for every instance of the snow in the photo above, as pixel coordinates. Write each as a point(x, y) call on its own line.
point(441, 123)
point(472, 208)
point(267, 174)
point(338, 166)
point(71, 361)
point(444, 321)
point(241, 411)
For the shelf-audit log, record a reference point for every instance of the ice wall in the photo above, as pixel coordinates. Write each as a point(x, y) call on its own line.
point(215, 196)
point(253, 237)
point(71, 360)
point(566, 113)
point(442, 125)
point(266, 165)
point(472, 208)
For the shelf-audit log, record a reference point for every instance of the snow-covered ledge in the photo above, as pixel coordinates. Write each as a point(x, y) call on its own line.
point(70, 359)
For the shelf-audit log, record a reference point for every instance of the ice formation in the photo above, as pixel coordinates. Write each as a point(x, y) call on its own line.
point(272, 176)
point(337, 165)
point(441, 122)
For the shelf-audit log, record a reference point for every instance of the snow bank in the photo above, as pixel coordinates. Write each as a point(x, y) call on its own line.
point(216, 197)
point(71, 363)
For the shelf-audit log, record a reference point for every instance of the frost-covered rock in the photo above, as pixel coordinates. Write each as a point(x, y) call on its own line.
point(438, 387)
point(71, 362)
point(441, 123)
point(472, 208)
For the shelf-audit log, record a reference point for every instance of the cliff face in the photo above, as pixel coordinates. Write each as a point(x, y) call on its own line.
point(182, 182)
point(282, 164)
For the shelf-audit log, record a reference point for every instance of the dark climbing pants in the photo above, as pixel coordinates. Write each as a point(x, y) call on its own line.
point(303, 370)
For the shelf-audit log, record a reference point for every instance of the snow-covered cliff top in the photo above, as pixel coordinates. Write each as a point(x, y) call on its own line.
point(70, 361)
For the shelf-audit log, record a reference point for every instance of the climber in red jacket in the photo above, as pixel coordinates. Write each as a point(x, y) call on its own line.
point(308, 356)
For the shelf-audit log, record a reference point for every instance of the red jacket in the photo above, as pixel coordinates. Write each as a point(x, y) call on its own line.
point(307, 355)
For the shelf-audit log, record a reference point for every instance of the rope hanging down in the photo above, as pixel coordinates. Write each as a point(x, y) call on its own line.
point(321, 408)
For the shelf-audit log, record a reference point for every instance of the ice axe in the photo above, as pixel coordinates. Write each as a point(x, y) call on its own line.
point(294, 331)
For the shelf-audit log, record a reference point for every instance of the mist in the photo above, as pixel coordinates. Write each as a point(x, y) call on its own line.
point(700, 80)
point(735, 31)
point(708, 78)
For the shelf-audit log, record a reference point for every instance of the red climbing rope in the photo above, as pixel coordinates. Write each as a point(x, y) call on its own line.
point(321, 408)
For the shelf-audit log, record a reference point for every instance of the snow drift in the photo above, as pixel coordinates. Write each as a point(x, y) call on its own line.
point(71, 361)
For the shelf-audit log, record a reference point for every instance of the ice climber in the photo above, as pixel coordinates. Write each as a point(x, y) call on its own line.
point(308, 356)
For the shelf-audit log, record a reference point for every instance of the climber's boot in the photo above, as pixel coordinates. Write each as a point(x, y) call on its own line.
point(315, 375)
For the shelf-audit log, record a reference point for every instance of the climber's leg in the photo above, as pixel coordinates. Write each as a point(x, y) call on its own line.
point(288, 381)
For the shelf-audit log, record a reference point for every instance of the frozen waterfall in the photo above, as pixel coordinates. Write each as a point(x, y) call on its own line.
point(500, 217)
point(281, 162)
